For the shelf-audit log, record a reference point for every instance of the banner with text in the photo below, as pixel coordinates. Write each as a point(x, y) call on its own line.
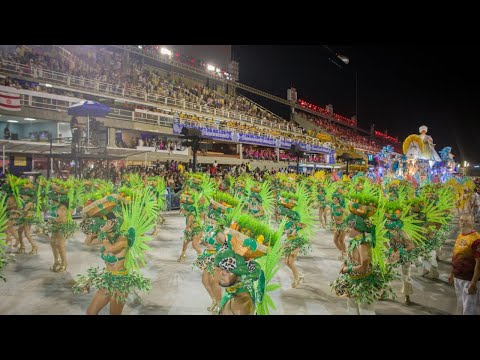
point(243, 138)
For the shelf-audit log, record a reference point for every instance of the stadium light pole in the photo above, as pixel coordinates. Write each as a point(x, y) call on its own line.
point(345, 60)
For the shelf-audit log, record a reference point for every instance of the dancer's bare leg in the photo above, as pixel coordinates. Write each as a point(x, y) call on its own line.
point(320, 215)
point(20, 240)
point(196, 243)
point(31, 241)
point(206, 284)
point(325, 213)
point(62, 252)
point(291, 264)
point(56, 254)
point(184, 251)
point(89, 239)
point(341, 241)
point(12, 235)
point(116, 308)
point(99, 301)
point(217, 290)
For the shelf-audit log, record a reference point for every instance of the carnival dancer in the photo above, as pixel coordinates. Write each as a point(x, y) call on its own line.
point(364, 275)
point(404, 233)
point(323, 188)
point(323, 208)
point(339, 226)
point(243, 278)
point(91, 225)
point(158, 187)
point(194, 202)
point(61, 225)
point(24, 194)
point(124, 243)
point(296, 207)
point(222, 208)
point(260, 199)
point(13, 215)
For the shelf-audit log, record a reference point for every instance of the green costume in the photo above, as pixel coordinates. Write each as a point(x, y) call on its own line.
point(135, 219)
point(367, 218)
point(239, 254)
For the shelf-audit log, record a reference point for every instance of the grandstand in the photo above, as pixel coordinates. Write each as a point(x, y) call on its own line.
point(153, 94)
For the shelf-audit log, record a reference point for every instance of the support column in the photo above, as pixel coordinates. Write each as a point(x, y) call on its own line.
point(111, 137)
point(3, 158)
point(240, 150)
point(277, 152)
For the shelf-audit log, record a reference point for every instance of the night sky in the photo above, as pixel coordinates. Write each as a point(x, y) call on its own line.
point(399, 87)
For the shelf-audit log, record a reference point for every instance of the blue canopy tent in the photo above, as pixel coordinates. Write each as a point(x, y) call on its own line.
point(89, 108)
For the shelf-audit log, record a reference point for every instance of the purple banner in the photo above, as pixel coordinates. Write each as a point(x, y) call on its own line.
point(252, 139)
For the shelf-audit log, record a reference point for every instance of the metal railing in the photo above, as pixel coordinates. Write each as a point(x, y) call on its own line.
point(116, 91)
point(60, 103)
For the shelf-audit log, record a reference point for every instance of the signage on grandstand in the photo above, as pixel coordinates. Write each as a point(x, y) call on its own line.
point(9, 101)
point(20, 161)
point(206, 132)
point(243, 138)
point(257, 140)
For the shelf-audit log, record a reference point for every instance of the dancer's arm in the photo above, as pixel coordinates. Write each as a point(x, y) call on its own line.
point(363, 250)
point(61, 215)
point(220, 238)
point(116, 247)
point(241, 304)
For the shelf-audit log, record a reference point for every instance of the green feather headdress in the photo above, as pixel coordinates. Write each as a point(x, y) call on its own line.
point(208, 187)
point(409, 223)
point(329, 187)
point(14, 185)
point(135, 181)
point(159, 186)
point(267, 199)
point(46, 192)
point(253, 228)
point(304, 210)
point(39, 203)
point(227, 218)
point(248, 181)
point(139, 216)
point(270, 266)
point(379, 246)
point(288, 195)
point(223, 197)
point(71, 199)
point(81, 194)
point(369, 194)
